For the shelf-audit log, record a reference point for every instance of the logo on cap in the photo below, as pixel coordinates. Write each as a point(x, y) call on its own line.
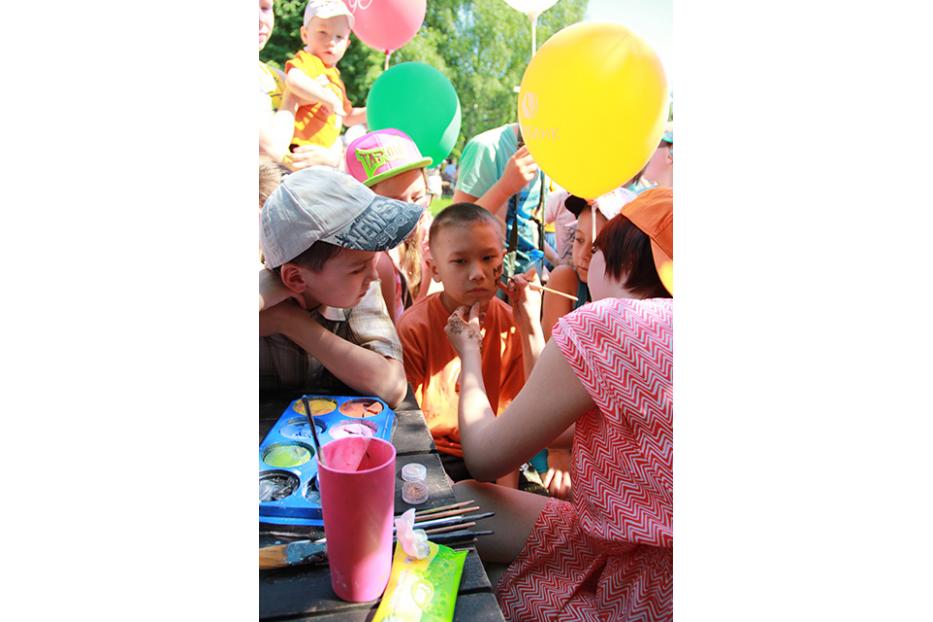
point(377, 157)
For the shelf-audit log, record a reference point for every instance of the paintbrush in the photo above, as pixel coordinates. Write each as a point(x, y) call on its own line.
point(306, 551)
point(450, 528)
point(452, 520)
point(442, 508)
point(317, 443)
point(300, 552)
point(457, 512)
point(459, 536)
point(538, 288)
point(440, 522)
point(542, 288)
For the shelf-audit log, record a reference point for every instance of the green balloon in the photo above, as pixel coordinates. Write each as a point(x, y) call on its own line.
point(419, 100)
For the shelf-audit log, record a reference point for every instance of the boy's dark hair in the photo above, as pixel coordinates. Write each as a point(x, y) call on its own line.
point(628, 252)
point(462, 214)
point(316, 256)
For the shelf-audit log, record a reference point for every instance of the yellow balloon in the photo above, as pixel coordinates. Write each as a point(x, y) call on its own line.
point(592, 107)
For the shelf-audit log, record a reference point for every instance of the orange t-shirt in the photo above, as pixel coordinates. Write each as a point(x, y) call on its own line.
point(433, 367)
point(312, 126)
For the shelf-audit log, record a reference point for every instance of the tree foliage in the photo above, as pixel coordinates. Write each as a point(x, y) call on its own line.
point(482, 46)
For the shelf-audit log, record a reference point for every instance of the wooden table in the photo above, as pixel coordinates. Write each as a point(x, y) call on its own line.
point(304, 592)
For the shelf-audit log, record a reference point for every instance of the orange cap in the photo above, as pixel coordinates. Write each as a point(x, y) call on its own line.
point(653, 213)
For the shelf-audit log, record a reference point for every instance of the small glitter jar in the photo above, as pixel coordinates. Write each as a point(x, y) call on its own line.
point(414, 493)
point(415, 489)
point(414, 472)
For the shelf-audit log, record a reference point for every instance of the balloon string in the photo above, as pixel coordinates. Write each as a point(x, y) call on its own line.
point(534, 21)
point(387, 61)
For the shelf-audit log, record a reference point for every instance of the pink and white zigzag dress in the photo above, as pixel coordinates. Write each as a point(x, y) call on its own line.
point(608, 555)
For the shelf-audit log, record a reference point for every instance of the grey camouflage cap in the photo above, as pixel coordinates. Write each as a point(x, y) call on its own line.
point(323, 204)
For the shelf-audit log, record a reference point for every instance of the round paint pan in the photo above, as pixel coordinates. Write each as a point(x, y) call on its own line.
point(352, 428)
point(319, 406)
point(361, 408)
point(298, 428)
point(275, 485)
point(287, 455)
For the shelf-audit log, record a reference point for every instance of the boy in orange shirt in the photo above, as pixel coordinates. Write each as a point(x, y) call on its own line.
point(466, 256)
point(312, 75)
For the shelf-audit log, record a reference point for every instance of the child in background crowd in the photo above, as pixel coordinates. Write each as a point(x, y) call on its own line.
point(572, 278)
point(562, 221)
point(271, 174)
point(389, 162)
point(466, 256)
point(659, 172)
point(435, 183)
point(313, 77)
point(276, 105)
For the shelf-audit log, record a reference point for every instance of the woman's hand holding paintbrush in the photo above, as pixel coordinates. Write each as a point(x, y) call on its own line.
point(524, 292)
point(526, 305)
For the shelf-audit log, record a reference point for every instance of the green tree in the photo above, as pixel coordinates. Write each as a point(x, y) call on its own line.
point(482, 46)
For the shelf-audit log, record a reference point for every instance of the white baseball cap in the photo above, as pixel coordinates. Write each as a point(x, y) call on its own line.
point(609, 204)
point(325, 9)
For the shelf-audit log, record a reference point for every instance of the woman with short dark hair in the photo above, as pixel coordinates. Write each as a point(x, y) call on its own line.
point(606, 374)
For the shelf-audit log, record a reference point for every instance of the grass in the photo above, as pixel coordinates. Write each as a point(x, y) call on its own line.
point(438, 204)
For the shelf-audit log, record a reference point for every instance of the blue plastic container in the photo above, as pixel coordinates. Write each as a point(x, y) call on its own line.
point(288, 493)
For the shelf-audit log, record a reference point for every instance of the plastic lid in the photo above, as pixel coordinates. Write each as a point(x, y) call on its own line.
point(414, 472)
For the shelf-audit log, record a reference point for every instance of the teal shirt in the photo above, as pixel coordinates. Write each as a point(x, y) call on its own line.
point(481, 165)
point(583, 294)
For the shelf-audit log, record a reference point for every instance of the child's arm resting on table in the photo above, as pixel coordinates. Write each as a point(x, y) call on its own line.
point(361, 369)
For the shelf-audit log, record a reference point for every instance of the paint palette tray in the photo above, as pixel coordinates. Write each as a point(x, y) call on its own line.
point(288, 492)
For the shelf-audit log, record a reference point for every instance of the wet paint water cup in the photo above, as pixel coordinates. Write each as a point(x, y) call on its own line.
point(358, 502)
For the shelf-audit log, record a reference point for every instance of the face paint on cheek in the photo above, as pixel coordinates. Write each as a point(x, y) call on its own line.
point(497, 270)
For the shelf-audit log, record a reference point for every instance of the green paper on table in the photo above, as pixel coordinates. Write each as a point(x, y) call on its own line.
point(422, 590)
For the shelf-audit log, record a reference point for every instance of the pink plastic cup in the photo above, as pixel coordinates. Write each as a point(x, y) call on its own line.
point(358, 502)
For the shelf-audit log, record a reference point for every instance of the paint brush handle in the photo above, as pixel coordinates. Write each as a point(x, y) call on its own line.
point(452, 520)
point(314, 438)
point(542, 288)
point(449, 528)
point(460, 537)
point(292, 553)
point(442, 508)
point(272, 557)
point(459, 511)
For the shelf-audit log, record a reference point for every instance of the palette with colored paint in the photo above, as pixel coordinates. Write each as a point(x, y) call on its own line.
point(288, 493)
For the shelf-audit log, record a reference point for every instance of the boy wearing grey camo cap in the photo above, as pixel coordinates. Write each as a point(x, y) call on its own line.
point(320, 232)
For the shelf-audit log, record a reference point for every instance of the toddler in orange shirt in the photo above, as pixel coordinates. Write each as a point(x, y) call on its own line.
point(313, 76)
point(466, 256)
